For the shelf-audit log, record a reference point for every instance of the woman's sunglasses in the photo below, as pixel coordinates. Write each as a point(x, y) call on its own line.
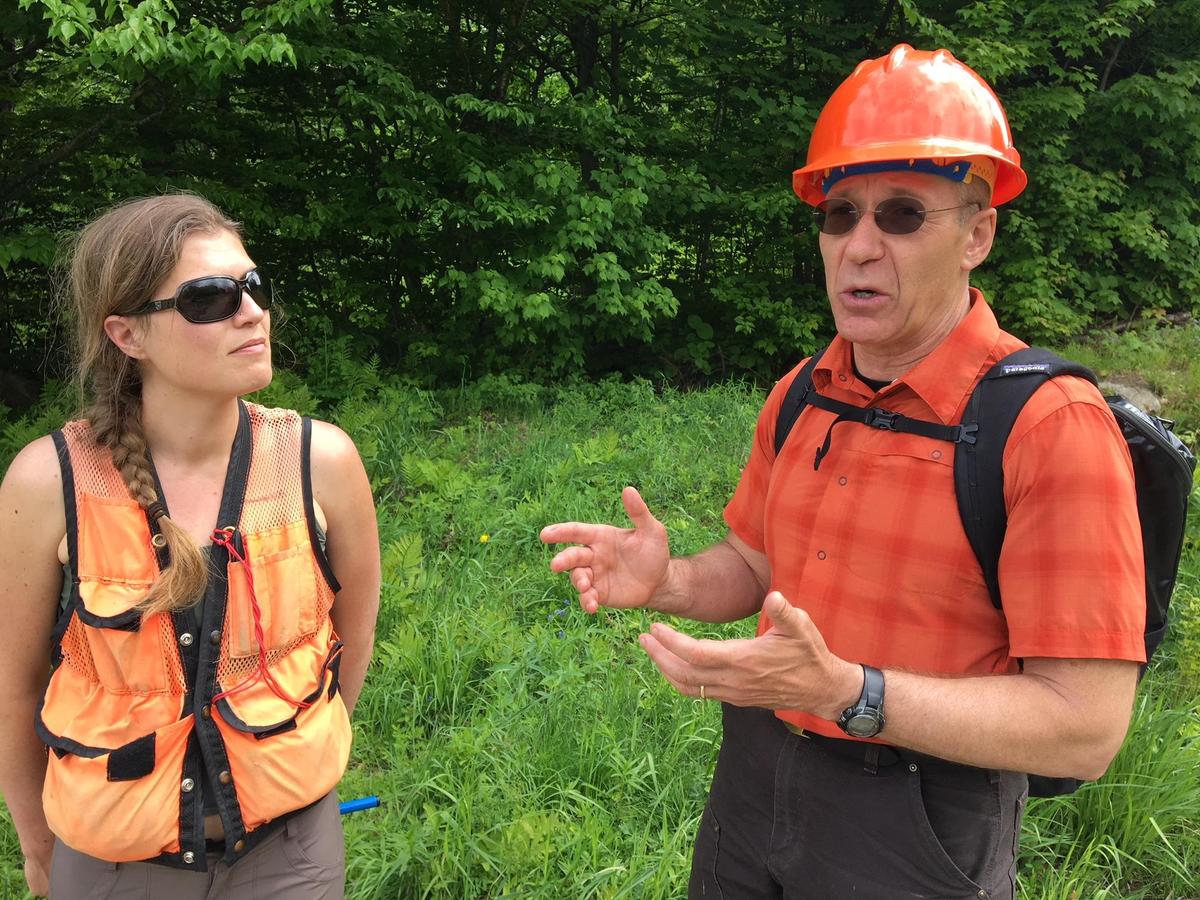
point(896, 215)
point(214, 298)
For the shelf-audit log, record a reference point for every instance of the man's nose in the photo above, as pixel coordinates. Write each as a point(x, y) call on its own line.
point(865, 241)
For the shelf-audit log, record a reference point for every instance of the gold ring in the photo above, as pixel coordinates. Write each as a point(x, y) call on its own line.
point(702, 697)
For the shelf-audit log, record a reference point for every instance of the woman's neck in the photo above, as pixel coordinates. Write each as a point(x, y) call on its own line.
point(188, 427)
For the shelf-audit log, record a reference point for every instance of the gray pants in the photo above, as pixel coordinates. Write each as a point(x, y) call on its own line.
point(809, 818)
point(305, 859)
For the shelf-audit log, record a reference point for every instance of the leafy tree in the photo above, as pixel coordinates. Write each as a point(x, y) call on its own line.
point(579, 185)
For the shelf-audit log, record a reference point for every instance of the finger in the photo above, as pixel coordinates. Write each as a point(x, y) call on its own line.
point(636, 508)
point(589, 601)
point(581, 579)
point(683, 677)
point(776, 607)
point(786, 619)
point(701, 653)
point(572, 533)
point(572, 558)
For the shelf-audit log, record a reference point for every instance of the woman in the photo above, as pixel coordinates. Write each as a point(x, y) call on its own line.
point(169, 550)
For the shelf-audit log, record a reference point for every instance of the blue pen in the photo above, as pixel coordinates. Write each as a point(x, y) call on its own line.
point(350, 806)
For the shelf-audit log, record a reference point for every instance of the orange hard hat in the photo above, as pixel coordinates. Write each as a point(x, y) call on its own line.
point(916, 109)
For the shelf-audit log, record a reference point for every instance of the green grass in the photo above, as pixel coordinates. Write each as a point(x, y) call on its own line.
point(524, 749)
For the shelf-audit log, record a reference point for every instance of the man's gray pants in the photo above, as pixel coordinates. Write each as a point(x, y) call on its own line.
point(803, 817)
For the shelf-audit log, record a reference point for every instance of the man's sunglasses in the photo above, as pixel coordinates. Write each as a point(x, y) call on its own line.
point(896, 215)
point(214, 298)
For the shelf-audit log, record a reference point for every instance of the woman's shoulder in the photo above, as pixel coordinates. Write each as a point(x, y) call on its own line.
point(34, 480)
point(35, 466)
point(331, 446)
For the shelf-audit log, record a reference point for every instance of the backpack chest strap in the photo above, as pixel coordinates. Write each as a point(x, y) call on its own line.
point(885, 420)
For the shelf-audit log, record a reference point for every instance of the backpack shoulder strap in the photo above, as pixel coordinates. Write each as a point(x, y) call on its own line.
point(978, 466)
point(795, 400)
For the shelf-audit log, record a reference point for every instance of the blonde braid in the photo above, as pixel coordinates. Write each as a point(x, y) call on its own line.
point(117, 424)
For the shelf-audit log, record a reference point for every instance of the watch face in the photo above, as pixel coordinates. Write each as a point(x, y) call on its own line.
point(865, 723)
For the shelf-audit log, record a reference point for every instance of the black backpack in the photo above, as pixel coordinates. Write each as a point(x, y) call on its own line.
point(1162, 466)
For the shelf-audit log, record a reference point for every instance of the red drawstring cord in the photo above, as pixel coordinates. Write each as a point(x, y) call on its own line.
point(224, 537)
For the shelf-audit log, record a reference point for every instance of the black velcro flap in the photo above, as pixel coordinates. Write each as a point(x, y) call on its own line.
point(134, 760)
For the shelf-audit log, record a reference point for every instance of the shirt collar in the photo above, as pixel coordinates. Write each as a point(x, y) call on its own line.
point(944, 378)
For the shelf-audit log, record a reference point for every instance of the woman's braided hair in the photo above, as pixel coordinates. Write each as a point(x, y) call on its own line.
point(116, 262)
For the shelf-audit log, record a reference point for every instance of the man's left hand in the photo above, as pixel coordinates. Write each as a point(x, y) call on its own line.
point(789, 667)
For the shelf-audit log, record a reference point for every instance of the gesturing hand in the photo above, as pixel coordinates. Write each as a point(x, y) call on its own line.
point(616, 567)
point(789, 667)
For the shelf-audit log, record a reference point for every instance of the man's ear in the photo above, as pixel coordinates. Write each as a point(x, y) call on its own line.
point(128, 338)
point(981, 231)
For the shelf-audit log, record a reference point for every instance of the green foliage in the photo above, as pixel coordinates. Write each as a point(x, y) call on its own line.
point(457, 190)
point(522, 748)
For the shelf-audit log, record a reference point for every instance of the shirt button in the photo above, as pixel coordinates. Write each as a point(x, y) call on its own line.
point(186, 785)
point(239, 846)
point(843, 480)
point(189, 857)
point(225, 777)
point(820, 554)
point(841, 378)
point(186, 639)
point(215, 637)
point(936, 454)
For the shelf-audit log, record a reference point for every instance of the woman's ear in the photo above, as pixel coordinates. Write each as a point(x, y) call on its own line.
point(127, 337)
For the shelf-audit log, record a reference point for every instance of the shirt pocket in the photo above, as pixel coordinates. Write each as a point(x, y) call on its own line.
point(910, 539)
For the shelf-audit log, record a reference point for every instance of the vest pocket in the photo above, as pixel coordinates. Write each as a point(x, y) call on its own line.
point(285, 593)
point(127, 654)
point(133, 818)
point(290, 769)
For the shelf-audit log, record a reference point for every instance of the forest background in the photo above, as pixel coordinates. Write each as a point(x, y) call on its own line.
point(530, 252)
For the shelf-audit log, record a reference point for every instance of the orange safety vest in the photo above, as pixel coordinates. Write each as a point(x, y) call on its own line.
point(129, 713)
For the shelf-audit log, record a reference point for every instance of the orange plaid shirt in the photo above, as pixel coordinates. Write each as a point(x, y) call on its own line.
point(872, 547)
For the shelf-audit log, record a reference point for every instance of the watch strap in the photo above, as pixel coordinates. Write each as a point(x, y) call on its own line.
point(872, 692)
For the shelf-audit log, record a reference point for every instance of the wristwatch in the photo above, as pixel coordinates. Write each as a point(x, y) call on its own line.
point(865, 718)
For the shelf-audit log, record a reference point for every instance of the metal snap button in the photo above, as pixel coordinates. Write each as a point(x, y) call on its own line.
point(186, 785)
point(189, 857)
point(225, 777)
point(239, 846)
point(186, 639)
point(159, 541)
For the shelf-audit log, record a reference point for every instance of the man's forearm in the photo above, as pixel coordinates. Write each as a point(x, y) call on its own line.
point(714, 585)
point(1035, 722)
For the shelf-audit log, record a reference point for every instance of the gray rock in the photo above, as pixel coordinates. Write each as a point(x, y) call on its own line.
point(1135, 389)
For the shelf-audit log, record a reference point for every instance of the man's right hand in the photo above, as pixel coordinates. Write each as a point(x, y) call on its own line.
point(616, 567)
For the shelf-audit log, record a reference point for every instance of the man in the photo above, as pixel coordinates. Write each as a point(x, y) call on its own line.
point(876, 728)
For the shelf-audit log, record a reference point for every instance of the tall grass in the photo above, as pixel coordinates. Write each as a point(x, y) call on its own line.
point(524, 749)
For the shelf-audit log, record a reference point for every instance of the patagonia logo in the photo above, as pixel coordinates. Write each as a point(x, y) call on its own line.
point(1024, 368)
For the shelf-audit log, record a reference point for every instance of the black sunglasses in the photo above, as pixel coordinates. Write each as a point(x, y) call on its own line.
point(213, 298)
point(896, 215)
